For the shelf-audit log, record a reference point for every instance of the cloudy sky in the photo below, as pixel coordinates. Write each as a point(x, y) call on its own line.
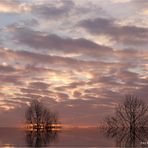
point(78, 57)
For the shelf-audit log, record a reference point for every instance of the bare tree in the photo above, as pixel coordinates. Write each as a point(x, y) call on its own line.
point(133, 113)
point(129, 123)
point(39, 116)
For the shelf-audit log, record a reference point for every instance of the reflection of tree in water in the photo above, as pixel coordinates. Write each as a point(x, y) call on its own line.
point(37, 138)
point(129, 123)
point(126, 137)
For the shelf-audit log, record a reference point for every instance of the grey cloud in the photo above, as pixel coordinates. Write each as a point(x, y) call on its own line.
point(7, 69)
point(52, 11)
point(77, 94)
point(39, 85)
point(30, 91)
point(41, 41)
point(62, 96)
point(13, 79)
point(140, 3)
point(40, 61)
point(130, 35)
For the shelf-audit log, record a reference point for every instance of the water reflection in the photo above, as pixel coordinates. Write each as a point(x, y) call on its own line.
point(37, 138)
point(66, 137)
point(127, 137)
point(76, 137)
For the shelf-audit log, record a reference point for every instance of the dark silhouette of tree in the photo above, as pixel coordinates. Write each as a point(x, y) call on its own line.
point(133, 113)
point(129, 125)
point(39, 116)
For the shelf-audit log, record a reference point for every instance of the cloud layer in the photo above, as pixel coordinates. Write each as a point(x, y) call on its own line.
point(76, 61)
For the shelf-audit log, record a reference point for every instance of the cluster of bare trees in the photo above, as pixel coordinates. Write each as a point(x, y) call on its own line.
point(133, 113)
point(38, 116)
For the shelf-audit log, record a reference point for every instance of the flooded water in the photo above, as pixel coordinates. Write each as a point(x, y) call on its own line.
point(75, 137)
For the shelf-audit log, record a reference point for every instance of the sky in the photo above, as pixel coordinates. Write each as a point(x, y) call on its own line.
point(78, 57)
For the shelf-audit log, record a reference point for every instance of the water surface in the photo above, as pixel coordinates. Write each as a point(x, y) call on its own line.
point(74, 137)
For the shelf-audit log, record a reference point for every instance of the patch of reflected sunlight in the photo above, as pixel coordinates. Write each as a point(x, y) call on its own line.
point(6, 107)
point(8, 146)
